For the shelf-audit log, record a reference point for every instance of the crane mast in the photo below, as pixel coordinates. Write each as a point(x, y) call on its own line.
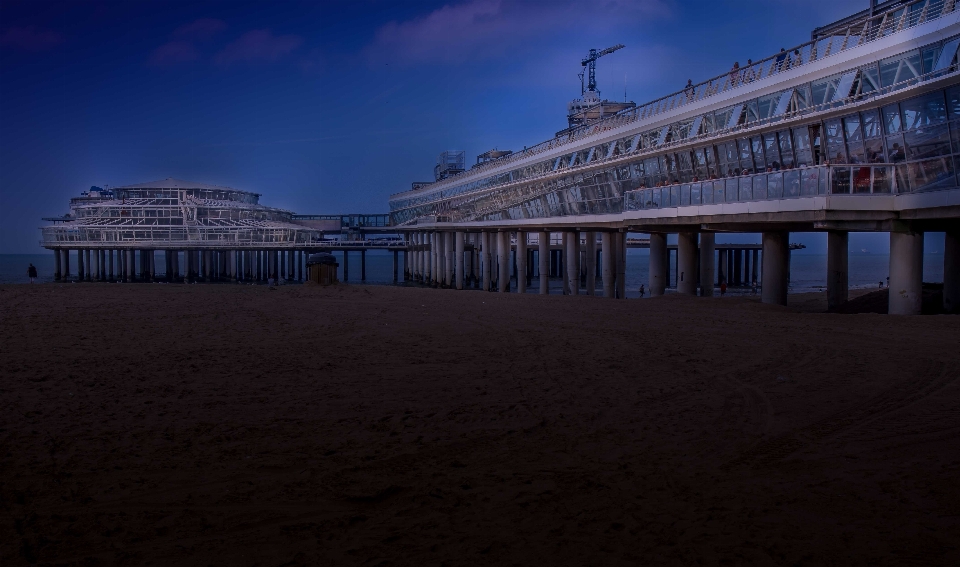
point(590, 62)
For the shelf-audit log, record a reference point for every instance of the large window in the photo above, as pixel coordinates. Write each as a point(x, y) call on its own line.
point(900, 68)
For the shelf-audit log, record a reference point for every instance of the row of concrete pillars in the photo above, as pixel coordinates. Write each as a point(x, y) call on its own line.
point(457, 259)
point(181, 265)
point(484, 260)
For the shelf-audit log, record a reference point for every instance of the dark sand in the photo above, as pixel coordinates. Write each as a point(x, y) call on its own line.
point(235, 425)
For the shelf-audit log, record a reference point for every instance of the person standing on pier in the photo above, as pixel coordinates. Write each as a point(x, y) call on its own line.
point(32, 273)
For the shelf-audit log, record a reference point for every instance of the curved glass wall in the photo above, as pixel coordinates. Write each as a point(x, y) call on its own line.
point(918, 139)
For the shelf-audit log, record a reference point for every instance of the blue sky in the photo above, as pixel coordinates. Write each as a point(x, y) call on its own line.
point(329, 107)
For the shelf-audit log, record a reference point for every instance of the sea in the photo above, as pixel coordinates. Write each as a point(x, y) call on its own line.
point(808, 271)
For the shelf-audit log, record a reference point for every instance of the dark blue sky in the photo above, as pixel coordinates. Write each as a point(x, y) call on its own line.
point(328, 107)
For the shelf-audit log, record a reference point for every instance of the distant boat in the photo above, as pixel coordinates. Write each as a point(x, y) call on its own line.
point(864, 250)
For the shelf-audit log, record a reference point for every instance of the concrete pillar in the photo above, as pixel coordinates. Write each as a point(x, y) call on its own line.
point(503, 277)
point(458, 255)
point(571, 239)
point(363, 265)
point(951, 271)
point(837, 250)
point(775, 257)
point(544, 261)
point(418, 257)
point(755, 267)
point(396, 261)
point(131, 254)
point(103, 265)
point(687, 263)
point(486, 260)
point(707, 251)
point(474, 259)
point(207, 265)
point(737, 267)
point(658, 264)
point(83, 265)
point(621, 248)
point(731, 267)
point(56, 264)
point(421, 258)
point(521, 262)
point(449, 251)
point(434, 258)
point(591, 262)
point(406, 264)
point(722, 266)
point(66, 263)
point(906, 273)
point(608, 264)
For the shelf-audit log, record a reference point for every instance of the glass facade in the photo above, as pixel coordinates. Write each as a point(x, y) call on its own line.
point(920, 133)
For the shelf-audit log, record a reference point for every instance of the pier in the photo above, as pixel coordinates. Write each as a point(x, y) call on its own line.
point(849, 132)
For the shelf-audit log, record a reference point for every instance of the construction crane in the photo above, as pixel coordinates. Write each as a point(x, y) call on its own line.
point(591, 63)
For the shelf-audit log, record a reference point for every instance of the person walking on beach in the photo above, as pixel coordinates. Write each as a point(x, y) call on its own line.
point(32, 273)
point(642, 291)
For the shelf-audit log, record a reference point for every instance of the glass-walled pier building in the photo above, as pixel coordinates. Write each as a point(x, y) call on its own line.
point(204, 233)
point(856, 129)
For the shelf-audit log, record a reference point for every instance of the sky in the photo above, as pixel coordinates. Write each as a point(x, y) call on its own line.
point(328, 107)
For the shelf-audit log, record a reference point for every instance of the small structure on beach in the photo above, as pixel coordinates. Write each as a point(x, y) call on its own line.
point(322, 268)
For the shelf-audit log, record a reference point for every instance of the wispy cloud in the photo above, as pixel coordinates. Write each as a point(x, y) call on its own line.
point(30, 38)
point(200, 30)
point(174, 53)
point(479, 29)
point(258, 46)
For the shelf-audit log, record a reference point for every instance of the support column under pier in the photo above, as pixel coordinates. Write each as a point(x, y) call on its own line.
point(837, 280)
point(621, 247)
point(449, 254)
point(458, 254)
point(775, 257)
point(486, 242)
point(687, 263)
point(707, 252)
point(544, 261)
point(591, 262)
point(56, 260)
point(951, 271)
point(570, 240)
point(608, 265)
point(737, 267)
point(658, 264)
point(906, 273)
point(503, 264)
point(521, 262)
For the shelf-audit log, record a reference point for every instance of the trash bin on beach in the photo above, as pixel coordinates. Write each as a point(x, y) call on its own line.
point(322, 268)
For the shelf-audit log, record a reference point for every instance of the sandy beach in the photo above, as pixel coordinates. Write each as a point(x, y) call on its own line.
point(239, 425)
